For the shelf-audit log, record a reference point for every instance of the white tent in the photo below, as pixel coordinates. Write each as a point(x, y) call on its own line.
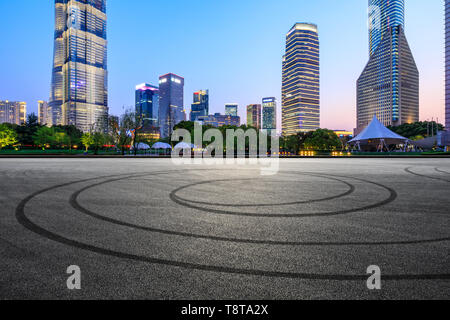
point(377, 133)
point(141, 146)
point(184, 145)
point(160, 145)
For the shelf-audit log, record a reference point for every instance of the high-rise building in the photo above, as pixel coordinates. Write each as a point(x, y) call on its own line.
point(13, 112)
point(301, 80)
point(269, 114)
point(171, 102)
point(231, 109)
point(44, 113)
point(254, 116)
point(147, 104)
point(79, 94)
point(200, 105)
point(389, 84)
point(447, 65)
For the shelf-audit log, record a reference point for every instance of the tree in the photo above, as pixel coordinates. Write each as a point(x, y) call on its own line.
point(8, 136)
point(323, 139)
point(73, 135)
point(61, 139)
point(44, 136)
point(87, 140)
point(98, 141)
point(416, 129)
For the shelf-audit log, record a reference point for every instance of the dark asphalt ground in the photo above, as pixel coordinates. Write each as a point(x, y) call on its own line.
point(147, 229)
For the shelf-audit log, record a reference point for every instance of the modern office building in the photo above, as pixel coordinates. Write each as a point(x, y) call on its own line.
point(200, 105)
point(79, 92)
point(447, 66)
point(219, 120)
point(301, 80)
point(44, 113)
point(13, 112)
point(147, 104)
point(389, 84)
point(231, 109)
point(269, 115)
point(254, 116)
point(171, 102)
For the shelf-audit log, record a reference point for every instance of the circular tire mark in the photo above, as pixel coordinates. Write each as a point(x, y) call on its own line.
point(351, 189)
point(392, 197)
point(28, 224)
point(408, 170)
point(77, 206)
point(441, 171)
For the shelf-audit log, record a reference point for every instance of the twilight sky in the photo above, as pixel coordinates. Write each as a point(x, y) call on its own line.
point(233, 48)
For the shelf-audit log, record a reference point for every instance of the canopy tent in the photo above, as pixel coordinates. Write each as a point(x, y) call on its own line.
point(160, 145)
point(184, 145)
point(141, 146)
point(376, 134)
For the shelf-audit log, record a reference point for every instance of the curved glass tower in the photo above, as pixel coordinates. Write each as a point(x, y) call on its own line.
point(384, 14)
point(389, 85)
point(79, 80)
point(301, 80)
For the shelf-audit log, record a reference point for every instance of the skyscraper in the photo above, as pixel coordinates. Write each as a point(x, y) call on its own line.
point(254, 116)
point(147, 104)
point(43, 113)
point(301, 80)
point(231, 109)
point(200, 105)
point(13, 112)
point(389, 84)
point(269, 114)
point(447, 66)
point(79, 80)
point(171, 101)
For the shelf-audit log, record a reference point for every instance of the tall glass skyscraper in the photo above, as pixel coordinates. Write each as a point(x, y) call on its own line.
point(200, 105)
point(147, 104)
point(389, 84)
point(383, 15)
point(269, 114)
point(447, 65)
point(254, 116)
point(171, 101)
point(301, 80)
point(79, 81)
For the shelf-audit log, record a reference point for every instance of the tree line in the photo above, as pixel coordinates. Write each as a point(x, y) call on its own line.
point(123, 134)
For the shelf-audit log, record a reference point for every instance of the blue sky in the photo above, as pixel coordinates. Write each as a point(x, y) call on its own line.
point(233, 48)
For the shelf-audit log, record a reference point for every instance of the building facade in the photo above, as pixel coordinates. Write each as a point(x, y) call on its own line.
point(269, 115)
point(389, 85)
point(13, 112)
point(171, 102)
point(79, 89)
point(200, 105)
point(254, 116)
point(147, 104)
point(301, 80)
point(447, 66)
point(231, 109)
point(44, 113)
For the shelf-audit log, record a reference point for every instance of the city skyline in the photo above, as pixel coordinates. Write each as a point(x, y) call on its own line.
point(338, 100)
